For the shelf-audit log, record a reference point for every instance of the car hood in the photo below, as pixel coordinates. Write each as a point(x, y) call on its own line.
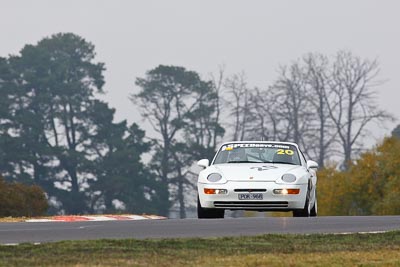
point(263, 172)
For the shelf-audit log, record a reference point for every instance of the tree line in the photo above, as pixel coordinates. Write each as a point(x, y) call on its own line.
point(55, 131)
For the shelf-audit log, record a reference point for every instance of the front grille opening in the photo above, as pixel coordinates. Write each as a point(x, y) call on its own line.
point(251, 204)
point(249, 190)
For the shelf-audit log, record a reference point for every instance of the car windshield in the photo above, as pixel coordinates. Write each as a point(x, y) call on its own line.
point(257, 153)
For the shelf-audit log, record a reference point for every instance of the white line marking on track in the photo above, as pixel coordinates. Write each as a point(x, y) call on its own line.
point(362, 233)
point(39, 220)
point(373, 232)
point(98, 218)
point(16, 244)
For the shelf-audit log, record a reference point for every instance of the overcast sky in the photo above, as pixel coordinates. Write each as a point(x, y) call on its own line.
point(132, 37)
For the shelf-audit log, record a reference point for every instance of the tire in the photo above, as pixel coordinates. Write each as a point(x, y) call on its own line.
point(203, 213)
point(314, 210)
point(306, 211)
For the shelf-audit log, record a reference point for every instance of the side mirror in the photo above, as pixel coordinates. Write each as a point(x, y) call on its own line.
point(203, 163)
point(312, 164)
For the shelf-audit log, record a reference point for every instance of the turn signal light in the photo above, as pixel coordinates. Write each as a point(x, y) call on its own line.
point(286, 191)
point(209, 191)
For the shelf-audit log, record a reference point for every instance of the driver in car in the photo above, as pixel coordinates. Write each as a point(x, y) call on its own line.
point(238, 154)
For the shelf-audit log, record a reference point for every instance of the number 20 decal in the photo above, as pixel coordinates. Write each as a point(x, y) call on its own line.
point(283, 152)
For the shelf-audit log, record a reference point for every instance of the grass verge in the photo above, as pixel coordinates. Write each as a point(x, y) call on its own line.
point(266, 250)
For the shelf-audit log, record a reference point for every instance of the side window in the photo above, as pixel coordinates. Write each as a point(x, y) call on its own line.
point(222, 157)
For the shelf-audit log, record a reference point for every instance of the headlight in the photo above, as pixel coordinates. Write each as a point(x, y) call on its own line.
point(288, 178)
point(214, 177)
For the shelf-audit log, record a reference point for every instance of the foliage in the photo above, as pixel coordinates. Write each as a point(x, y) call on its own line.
point(121, 175)
point(370, 186)
point(332, 197)
point(18, 199)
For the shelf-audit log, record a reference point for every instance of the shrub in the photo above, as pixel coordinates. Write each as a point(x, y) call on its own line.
point(18, 199)
point(371, 185)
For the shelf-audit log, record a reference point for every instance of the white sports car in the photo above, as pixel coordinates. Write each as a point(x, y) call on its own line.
point(261, 176)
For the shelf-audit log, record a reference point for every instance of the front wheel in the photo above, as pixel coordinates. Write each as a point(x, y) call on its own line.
point(203, 213)
point(314, 210)
point(306, 211)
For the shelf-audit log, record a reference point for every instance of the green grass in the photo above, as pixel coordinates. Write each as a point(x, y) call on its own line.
point(266, 250)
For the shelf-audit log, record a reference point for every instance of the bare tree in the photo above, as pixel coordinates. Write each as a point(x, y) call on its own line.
point(264, 120)
point(292, 108)
point(239, 103)
point(218, 87)
point(351, 101)
point(322, 132)
point(324, 107)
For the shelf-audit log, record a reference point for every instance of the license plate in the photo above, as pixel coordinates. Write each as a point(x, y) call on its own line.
point(250, 196)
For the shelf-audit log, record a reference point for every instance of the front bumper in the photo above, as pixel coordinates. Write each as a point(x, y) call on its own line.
point(270, 201)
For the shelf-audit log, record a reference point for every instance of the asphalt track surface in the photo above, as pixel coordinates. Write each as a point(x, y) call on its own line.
point(14, 233)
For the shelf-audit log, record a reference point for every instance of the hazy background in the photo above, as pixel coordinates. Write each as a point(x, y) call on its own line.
point(132, 37)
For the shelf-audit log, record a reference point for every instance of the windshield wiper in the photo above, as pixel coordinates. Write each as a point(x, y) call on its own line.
point(243, 161)
point(283, 162)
